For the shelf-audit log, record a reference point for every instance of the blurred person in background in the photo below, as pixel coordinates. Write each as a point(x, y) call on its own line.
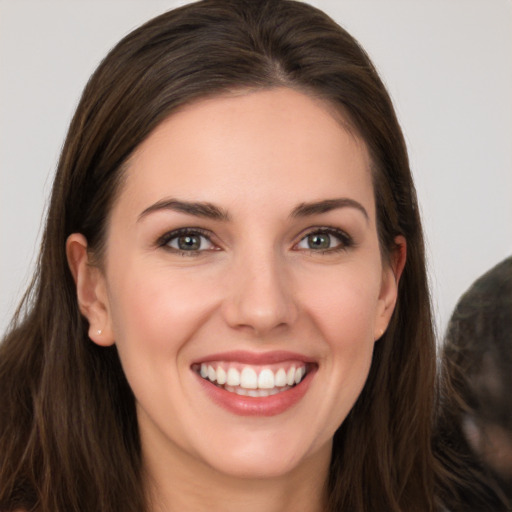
point(476, 419)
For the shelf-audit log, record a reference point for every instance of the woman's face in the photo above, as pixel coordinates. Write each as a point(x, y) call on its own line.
point(243, 284)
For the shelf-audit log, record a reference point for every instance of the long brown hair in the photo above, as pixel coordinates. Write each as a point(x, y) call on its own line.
point(69, 438)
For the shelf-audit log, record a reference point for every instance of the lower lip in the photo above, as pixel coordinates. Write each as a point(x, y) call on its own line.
point(257, 406)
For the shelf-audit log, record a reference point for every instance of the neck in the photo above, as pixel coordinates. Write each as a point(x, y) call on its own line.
point(176, 485)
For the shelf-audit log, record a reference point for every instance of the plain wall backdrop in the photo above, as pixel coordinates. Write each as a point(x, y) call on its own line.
point(447, 65)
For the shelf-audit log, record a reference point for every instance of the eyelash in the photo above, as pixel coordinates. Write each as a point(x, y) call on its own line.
point(346, 241)
point(165, 239)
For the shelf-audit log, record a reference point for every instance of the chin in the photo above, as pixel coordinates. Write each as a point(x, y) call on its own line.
point(261, 468)
point(264, 458)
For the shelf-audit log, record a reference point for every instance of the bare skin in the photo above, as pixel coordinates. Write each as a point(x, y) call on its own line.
point(303, 489)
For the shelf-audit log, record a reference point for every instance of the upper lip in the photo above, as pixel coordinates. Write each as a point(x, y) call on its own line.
point(255, 358)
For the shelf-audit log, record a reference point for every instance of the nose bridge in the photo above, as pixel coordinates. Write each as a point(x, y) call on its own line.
point(259, 295)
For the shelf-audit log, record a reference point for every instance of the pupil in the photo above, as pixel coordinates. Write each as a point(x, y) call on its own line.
point(189, 243)
point(319, 241)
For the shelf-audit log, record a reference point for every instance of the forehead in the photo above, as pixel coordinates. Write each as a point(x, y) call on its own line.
point(272, 147)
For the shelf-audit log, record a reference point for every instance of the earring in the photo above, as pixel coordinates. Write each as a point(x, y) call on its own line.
point(98, 332)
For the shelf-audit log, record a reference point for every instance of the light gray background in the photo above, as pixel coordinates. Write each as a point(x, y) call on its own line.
point(447, 64)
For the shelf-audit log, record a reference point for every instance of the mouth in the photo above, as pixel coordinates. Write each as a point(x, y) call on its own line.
point(253, 380)
point(255, 385)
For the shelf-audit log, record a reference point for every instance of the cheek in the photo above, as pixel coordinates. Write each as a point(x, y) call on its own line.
point(343, 308)
point(152, 306)
point(342, 314)
point(344, 305)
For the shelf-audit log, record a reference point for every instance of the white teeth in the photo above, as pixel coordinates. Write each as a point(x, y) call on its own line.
point(266, 379)
point(280, 378)
point(221, 375)
point(233, 378)
point(248, 378)
point(290, 376)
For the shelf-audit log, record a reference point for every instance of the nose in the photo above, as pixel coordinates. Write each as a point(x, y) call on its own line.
point(259, 295)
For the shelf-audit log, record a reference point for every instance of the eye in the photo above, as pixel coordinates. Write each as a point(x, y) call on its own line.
point(187, 240)
point(326, 239)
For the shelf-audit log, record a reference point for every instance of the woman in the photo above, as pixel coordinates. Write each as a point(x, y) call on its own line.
point(231, 305)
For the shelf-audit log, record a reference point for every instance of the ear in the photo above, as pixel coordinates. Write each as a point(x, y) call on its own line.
point(391, 273)
point(90, 289)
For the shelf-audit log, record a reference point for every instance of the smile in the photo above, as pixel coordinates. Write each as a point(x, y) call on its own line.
point(255, 384)
point(253, 380)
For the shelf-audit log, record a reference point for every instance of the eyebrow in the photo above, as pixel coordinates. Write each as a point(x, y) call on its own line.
point(307, 209)
point(198, 209)
point(210, 211)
